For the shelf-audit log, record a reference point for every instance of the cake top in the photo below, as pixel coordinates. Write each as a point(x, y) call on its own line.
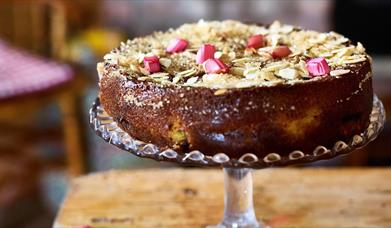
point(231, 54)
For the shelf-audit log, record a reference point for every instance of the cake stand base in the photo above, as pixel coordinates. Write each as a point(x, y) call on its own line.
point(238, 200)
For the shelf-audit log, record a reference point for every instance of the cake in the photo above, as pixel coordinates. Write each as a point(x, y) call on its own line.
point(237, 88)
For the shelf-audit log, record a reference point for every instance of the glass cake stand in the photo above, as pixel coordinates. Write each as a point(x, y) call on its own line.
point(238, 199)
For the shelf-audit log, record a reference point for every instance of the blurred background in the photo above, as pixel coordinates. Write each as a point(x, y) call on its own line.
point(48, 80)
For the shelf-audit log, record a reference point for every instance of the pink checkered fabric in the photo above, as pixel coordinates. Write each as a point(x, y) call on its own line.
point(22, 73)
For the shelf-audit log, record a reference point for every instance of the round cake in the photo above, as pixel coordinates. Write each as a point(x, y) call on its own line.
point(236, 88)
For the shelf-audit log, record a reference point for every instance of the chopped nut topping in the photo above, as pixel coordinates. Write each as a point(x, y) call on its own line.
point(252, 54)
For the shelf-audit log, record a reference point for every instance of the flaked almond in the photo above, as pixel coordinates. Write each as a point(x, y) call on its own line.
point(158, 52)
point(140, 57)
point(249, 51)
point(143, 78)
point(187, 73)
point(241, 60)
point(275, 26)
point(267, 75)
point(110, 56)
point(302, 68)
point(237, 71)
point(176, 79)
point(264, 56)
point(276, 66)
point(134, 68)
point(159, 75)
point(339, 72)
point(355, 60)
point(326, 54)
point(100, 68)
point(274, 39)
point(210, 77)
point(220, 92)
point(288, 73)
point(191, 80)
point(345, 52)
point(165, 62)
point(218, 54)
point(341, 40)
point(286, 29)
point(232, 55)
point(144, 71)
point(360, 48)
point(251, 73)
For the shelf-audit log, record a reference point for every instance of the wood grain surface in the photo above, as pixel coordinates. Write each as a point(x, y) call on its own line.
point(289, 197)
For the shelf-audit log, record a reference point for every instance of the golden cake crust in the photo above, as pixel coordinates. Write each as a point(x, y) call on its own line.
point(257, 119)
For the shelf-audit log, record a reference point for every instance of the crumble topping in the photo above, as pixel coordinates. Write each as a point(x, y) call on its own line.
point(246, 66)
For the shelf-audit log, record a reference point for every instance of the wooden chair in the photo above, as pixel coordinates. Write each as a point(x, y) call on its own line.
point(40, 26)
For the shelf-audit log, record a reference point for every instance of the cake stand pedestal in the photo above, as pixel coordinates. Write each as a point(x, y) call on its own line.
point(238, 201)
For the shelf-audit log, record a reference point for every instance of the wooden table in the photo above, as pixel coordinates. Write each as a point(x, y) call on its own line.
point(289, 197)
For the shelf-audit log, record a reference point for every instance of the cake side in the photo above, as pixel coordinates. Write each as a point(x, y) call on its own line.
point(259, 120)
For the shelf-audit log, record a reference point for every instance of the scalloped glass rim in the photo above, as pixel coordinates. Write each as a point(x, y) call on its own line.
point(105, 127)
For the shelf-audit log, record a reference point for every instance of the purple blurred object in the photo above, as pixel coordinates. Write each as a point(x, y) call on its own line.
point(23, 73)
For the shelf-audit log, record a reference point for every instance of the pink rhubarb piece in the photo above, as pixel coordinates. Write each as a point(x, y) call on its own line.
point(215, 66)
point(280, 51)
point(318, 67)
point(255, 41)
point(177, 45)
point(205, 52)
point(152, 64)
